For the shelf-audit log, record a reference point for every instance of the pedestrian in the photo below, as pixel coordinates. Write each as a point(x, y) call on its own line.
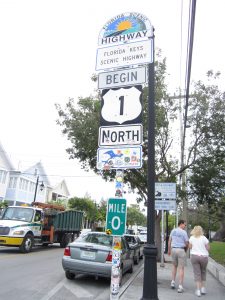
point(177, 247)
point(199, 250)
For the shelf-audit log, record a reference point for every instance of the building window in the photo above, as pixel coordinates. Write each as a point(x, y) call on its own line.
point(2, 176)
point(32, 187)
point(12, 182)
point(23, 185)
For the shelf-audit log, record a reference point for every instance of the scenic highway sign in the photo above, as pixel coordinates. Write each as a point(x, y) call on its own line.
point(125, 28)
point(135, 53)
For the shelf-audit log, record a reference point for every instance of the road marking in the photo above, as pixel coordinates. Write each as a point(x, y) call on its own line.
point(105, 294)
point(75, 289)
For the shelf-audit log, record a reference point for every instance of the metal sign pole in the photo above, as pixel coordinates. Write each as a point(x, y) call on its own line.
point(116, 273)
point(150, 290)
point(162, 241)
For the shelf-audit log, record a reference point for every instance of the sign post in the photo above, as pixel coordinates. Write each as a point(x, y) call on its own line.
point(150, 291)
point(127, 41)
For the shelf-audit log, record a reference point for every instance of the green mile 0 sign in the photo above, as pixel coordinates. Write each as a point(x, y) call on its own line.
point(116, 216)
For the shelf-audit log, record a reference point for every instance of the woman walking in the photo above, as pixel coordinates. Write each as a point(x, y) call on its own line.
point(199, 250)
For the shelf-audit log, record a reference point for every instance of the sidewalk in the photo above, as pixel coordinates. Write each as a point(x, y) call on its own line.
point(133, 289)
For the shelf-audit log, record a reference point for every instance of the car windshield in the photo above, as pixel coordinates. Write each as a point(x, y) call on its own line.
point(143, 233)
point(96, 238)
point(18, 213)
point(130, 239)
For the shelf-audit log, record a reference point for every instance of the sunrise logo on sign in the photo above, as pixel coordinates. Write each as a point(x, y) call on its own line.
point(126, 27)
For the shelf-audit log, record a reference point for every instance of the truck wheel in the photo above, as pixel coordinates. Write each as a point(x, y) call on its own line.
point(27, 244)
point(66, 239)
point(69, 275)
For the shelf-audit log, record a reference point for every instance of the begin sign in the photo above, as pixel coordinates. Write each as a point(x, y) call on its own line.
point(116, 216)
point(123, 77)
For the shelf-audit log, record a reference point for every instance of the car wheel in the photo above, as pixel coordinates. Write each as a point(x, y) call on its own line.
point(69, 275)
point(136, 261)
point(27, 244)
point(121, 276)
point(131, 268)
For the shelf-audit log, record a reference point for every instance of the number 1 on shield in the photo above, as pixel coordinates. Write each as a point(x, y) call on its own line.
point(121, 98)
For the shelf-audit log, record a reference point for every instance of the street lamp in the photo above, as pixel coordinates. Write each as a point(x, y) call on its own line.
point(36, 186)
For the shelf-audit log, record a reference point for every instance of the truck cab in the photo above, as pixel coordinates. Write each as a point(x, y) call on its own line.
point(19, 226)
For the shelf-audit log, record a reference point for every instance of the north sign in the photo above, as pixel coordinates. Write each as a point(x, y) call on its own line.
point(119, 78)
point(135, 53)
point(116, 216)
point(120, 135)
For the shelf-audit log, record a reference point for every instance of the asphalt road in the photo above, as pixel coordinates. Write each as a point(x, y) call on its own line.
point(39, 276)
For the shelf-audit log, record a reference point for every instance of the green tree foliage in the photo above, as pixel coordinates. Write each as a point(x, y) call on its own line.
point(135, 216)
point(60, 202)
point(102, 208)
point(86, 205)
point(3, 204)
point(93, 212)
point(207, 188)
point(207, 176)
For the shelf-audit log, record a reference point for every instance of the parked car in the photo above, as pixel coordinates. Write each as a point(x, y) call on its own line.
point(136, 245)
point(91, 254)
point(143, 236)
point(130, 231)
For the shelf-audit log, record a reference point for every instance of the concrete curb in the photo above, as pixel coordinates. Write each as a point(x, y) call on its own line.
point(129, 282)
point(217, 270)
